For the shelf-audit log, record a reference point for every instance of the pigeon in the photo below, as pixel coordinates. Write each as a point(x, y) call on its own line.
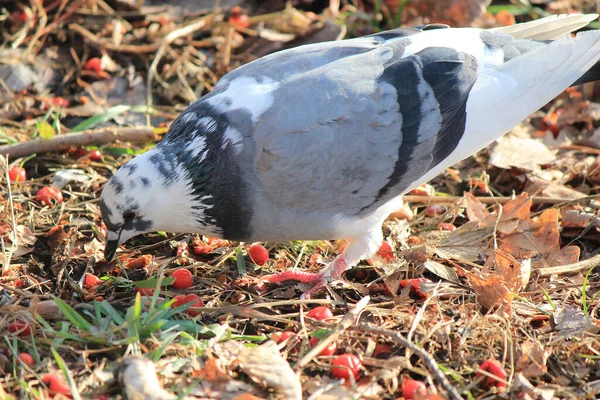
point(320, 142)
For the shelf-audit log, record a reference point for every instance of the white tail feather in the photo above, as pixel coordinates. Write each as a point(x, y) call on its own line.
point(505, 95)
point(548, 28)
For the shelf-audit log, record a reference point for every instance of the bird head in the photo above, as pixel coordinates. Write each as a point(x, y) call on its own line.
point(153, 192)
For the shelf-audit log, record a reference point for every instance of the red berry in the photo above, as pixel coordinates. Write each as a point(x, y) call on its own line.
point(95, 155)
point(179, 300)
point(494, 368)
point(27, 359)
point(93, 64)
point(91, 281)
point(49, 195)
point(344, 365)
point(57, 101)
point(17, 174)
point(183, 278)
point(196, 302)
point(327, 351)
point(201, 248)
point(20, 328)
point(410, 388)
point(320, 313)
point(56, 384)
point(282, 337)
point(259, 254)
point(237, 19)
point(435, 210)
point(385, 251)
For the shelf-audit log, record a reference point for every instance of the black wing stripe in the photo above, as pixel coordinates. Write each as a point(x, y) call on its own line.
point(451, 76)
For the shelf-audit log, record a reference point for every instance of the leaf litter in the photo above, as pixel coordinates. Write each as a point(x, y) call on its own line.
point(495, 259)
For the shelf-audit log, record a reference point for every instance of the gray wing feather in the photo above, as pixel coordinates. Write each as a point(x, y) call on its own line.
point(353, 123)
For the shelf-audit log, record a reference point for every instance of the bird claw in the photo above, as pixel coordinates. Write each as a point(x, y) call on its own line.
point(333, 272)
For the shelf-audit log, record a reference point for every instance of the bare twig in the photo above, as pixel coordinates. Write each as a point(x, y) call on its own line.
point(422, 354)
point(571, 268)
point(89, 137)
point(164, 43)
point(347, 321)
point(494, 200)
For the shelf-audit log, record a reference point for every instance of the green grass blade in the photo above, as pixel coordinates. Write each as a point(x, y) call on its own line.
point(65, 370)
point(72, 315)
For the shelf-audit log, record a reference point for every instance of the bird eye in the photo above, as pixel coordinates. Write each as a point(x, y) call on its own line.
point(128, 216)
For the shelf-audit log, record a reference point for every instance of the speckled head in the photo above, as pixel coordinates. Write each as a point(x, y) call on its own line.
point(153, 192)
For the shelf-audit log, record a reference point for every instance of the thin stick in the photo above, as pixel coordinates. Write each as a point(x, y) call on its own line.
point(89, 137)
point(570, 268)
point(347, 321)
point(492, 200)
point(164, 43)
point(422, 354)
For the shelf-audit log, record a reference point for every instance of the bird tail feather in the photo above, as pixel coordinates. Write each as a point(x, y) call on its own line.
point(548, 28)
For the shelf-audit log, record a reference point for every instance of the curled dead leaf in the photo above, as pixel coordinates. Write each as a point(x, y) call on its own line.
point(264, 364)
point(532, 362)
point(491, 292)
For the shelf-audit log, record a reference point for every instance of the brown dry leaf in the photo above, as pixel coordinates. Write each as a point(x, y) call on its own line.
point(476, 210)
point(518, 209)
point(211, 372)
point(25, 240)
point(532, 362)
point(469, 242)
point(265, 365)
point(570, 321)
point(441, 270)
point(520, 152)
point(138, 377)
point(535, 238)
point(491, 292)
point(516, 274)
point(549, 189)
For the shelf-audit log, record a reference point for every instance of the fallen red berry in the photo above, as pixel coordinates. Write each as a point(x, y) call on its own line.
point(435, 210)
point(94, 64)
point(17, 174)
point(183, 278)
point(327, 351)
point(195, 301)
point(57, 385)
point(282, 337)
point(27, 359)
point(57, 101)
point(201, 249)
point(410, 388)
point(91, 281)
point(494, 368)
point(386, 252)
point(320, 313)
point(49, 195)
point(238, 19)
point(345, 365)
point(95, 155)
point(259, 254)
point(20, 328)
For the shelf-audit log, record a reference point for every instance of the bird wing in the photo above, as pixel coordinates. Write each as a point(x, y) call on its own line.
point(351, 122)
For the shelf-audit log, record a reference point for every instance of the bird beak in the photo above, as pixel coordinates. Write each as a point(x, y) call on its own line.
point(110, 249)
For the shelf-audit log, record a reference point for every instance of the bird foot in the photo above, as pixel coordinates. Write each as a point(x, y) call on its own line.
point(333, 272)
